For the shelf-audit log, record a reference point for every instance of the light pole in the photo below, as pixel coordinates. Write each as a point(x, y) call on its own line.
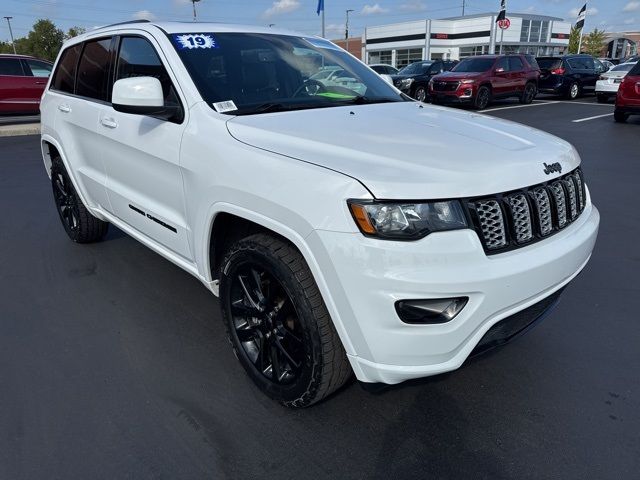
point(195, 15)
point(346, 29)
point(13, 44)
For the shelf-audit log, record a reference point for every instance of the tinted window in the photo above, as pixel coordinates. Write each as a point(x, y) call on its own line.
point(138, 58)
point(515, 64)
point(417, 68)
point(93, 70)
point(470, 65)
point(64, 76)
point(635, 70)
point(436, 68)
point(36, 68)
point(10, 66)
point(502, 63)
point(549, 63)
point(532, 61)
point(582, 63)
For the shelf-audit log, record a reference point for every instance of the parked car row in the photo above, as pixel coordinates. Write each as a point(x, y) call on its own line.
point(22, 81)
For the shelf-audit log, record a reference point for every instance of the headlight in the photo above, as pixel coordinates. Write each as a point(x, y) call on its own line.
point(406, 82)
point(468, 81)
point(407, 221)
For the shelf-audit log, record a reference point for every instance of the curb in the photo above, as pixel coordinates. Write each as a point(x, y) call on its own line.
point(19, 130)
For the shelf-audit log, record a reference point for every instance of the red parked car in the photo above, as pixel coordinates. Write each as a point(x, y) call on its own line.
point(22, 81)
point(628, 98)
point(479, 80)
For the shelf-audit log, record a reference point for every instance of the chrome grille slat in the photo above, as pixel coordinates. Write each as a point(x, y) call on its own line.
point(514, 219)
point(492, 224)
point(521, 217)
point(543, 205)
point(561, 202)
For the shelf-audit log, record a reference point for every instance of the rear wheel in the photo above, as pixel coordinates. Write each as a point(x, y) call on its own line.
point(81, 226)
point(420, 94)
point(621, 117)
point(483, 98)
point(574, 91)
point(528, 94)
point(278, 324)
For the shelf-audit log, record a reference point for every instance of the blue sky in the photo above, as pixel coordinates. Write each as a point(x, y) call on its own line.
point(616, 15)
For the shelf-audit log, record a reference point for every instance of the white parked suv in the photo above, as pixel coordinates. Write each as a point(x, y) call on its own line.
point(345, 230)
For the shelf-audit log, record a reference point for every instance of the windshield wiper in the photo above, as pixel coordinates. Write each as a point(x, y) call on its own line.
point(279, 107)
point(364, 100)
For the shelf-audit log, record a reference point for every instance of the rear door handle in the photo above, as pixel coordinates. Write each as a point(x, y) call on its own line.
point(109, 122)
point(64, 108)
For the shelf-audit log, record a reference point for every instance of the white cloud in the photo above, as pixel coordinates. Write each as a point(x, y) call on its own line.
point(373, 9)
point(143, 15)
point(281, 6)
point(631, 7)
point(590, 11)
point(413, 6)
point(335, 29)
point(630, 21)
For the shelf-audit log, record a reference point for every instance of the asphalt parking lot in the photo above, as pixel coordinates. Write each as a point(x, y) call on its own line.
point(114, 363)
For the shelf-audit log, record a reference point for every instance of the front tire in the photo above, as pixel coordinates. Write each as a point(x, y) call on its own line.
point(278, 324)
point(420, 94)
point(483, 98)
point(81, 226)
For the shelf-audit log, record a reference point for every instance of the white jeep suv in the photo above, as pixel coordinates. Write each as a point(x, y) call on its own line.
point(346, 228)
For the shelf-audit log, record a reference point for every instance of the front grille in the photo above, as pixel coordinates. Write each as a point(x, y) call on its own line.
point(515, 219)
point(445, 86)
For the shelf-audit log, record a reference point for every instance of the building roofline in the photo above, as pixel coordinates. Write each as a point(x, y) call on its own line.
point(528, 16)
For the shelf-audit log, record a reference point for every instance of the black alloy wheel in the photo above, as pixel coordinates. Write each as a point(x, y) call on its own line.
point(483, 98)
point(81, 226)
point(528, 94)
point(277, 322)
point(266, 324)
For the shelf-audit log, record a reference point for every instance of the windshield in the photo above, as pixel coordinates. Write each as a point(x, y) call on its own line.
point(474, 65)
point(415, 68)
point(625, 67)
point(247, 73)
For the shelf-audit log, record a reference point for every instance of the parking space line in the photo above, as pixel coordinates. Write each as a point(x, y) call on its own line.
point(572, 102)
point(592, 118)
point(518, 106)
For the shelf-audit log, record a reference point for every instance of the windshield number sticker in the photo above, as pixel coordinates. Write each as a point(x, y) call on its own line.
point(198, 40)
point(222, 107)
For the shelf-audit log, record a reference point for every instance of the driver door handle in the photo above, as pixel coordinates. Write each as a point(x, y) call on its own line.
point(109, 122)
point(64, 108)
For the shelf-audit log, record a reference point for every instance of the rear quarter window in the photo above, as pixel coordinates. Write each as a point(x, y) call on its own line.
point(93, 70)
point(549, 63)
point(11, 66)
point(65, 74)
point(635, 70)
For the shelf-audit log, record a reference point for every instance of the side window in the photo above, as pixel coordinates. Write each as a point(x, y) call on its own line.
point(436, 68)
point(93, 71)
point(11, 66)
point(65, 75)
point(36, 68)
point(138, 58)
point(502, 65)
point(589, 63)
point(515, 64)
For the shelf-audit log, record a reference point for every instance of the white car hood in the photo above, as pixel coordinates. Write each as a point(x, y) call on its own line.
point(407, 151)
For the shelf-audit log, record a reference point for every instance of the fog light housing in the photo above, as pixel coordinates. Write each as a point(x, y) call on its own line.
point(430, 311)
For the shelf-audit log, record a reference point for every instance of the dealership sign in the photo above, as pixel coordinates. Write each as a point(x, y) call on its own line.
point(504, 23)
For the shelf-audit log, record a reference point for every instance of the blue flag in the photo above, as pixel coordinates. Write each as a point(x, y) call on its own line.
point(320, 6)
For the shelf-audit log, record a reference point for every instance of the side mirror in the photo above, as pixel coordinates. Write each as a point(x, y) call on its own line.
point(141, 96)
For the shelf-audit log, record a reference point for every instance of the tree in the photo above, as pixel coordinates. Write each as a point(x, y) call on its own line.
point(593, 43)
point(574, 40)
point(43, 41)
point(74, 32)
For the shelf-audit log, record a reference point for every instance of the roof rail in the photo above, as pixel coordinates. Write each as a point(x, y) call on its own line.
point(127, 23)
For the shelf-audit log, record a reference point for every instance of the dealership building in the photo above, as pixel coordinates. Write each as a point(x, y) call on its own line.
point(455, 38)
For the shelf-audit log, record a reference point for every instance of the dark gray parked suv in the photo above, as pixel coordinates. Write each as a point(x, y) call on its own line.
point(569, 75)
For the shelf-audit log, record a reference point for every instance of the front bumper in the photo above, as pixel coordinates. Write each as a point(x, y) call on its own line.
point(449, 99)
point(366, 276)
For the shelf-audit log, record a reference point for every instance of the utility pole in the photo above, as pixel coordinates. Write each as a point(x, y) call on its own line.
point(13, 43)
point(346, 30)
point(195, 15)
